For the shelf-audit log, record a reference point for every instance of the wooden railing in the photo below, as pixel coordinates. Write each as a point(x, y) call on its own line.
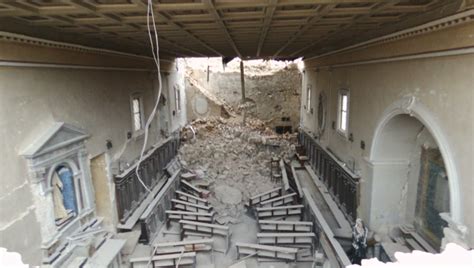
point(341, 183)
point(128, 189)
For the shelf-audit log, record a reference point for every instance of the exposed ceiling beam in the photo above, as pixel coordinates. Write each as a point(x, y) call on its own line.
point(199, 54)
point(320, 11)
point(269, 10)
point(164, 17)
point(210, 5)
point(356, 19)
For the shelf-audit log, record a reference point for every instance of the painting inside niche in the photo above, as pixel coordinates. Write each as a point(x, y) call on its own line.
point(64, 195)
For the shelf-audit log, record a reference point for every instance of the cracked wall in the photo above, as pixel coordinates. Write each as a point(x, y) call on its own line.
point(97, 101)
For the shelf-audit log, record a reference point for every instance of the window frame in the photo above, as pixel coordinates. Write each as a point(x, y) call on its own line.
point(133, 97)
point(308, 98)
point(344, 132)
point(177, 98)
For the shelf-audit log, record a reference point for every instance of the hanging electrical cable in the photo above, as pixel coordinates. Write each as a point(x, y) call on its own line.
point(156, 59)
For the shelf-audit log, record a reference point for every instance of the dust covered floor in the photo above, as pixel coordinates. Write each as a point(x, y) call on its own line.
point(234, 161)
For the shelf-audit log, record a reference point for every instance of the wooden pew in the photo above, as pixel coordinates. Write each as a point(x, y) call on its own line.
point(191, 198)
point(285, 226)
point(257, 199)
point(265, 251)
point(294, 239)
point(167, 260)
point(177, 215)
point(184, 246)
point(282, 211)
point(186, 206)
point(199, 228)
point(279, 201)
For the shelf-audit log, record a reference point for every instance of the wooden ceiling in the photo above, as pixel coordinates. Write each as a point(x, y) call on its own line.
point(243, 28)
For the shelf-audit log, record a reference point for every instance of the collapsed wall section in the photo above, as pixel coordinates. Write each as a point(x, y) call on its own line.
point(272, 90)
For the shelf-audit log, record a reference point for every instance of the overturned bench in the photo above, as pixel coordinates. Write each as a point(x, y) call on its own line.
point(282, 211)
point(199, 229)
point(285, 226)
point(177, 215)
point(257, 199)
point(265, 251)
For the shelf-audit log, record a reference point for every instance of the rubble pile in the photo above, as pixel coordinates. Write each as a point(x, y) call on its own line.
point(233, 159)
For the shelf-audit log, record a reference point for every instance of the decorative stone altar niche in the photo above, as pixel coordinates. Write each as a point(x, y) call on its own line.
point(62, 145)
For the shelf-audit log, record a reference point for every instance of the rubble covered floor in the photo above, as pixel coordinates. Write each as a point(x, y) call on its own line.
point(234, 161)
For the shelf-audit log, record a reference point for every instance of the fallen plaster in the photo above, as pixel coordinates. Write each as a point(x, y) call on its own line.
point(234, 160)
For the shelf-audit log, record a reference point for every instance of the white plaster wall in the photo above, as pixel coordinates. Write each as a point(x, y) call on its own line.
point(33, 98)
point(444, 85)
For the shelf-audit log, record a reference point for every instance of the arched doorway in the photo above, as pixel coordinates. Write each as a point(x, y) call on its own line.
point(413, 180)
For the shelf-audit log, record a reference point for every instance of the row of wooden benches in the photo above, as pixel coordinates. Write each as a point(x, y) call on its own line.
point(278, 238)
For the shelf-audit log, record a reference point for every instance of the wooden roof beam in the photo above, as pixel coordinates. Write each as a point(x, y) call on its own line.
point(269, 11)
point(210, 5)
point(164, 17)
point(374, 10)
point(320, 11)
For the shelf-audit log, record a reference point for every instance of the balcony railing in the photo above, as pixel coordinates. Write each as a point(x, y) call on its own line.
point(341, 183)
point(128, 189)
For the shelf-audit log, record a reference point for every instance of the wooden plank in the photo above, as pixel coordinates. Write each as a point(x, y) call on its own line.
point(297, 181)
point(336, 212)
point(104, 256)
point(149, 201)
point(423, 243)
point(336, 247)
point(273, 252)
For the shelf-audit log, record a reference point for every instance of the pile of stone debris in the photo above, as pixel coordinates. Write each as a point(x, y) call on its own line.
point(232, 160)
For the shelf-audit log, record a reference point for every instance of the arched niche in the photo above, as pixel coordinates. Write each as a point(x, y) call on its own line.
point(60, 145)
point(392, 163)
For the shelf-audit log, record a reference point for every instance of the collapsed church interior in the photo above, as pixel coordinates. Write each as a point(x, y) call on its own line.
point(235, 133)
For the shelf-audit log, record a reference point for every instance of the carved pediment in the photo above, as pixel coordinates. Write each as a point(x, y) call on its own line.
point(57, 136)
